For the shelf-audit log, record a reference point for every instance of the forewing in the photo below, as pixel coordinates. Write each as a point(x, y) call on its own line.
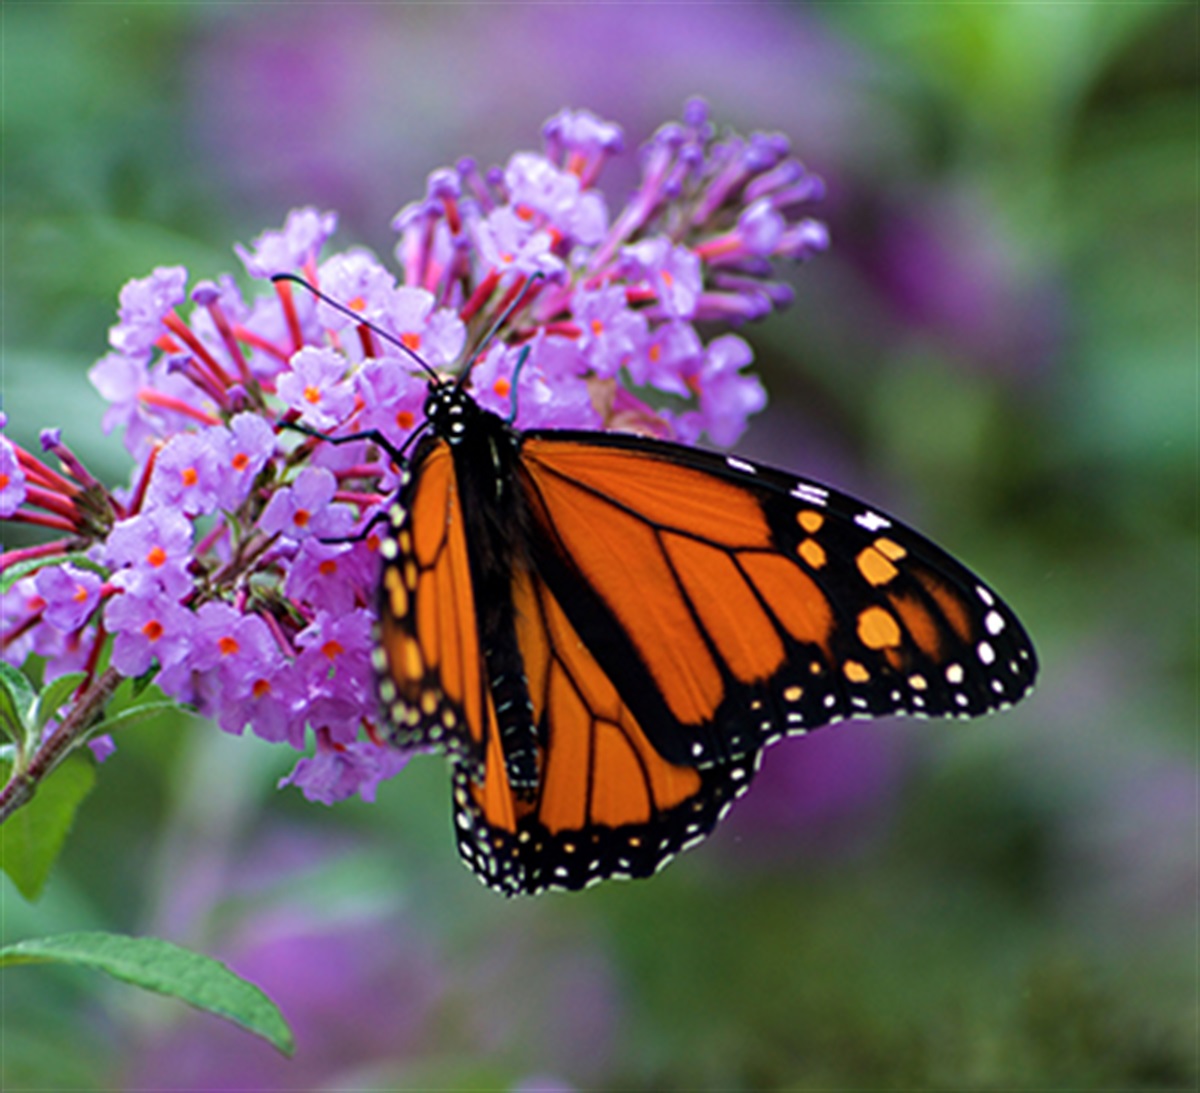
point(430, 670)
point(731, 603)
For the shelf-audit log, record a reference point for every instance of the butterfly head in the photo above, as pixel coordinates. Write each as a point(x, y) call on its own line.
point(449, 409)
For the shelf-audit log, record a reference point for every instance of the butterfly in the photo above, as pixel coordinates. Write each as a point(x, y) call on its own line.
point(603, 631)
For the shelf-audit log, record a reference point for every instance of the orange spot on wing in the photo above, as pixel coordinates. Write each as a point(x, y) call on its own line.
point(397, 593)
point(874, 566)
point(812, 553)
point(877, 629)
point(855, 672)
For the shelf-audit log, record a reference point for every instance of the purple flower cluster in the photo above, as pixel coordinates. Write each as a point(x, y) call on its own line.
point(224, 567)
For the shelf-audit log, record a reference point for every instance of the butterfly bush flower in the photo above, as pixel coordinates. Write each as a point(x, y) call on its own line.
point(239, 566)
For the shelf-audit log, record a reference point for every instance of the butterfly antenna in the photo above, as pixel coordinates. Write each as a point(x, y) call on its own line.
point(522, 357)
point(517, 301)
point(351, 313)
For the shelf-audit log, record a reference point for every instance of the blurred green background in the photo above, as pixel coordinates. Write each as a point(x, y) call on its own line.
point(1002, 346)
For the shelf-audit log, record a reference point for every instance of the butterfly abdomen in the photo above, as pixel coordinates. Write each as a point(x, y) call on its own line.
point(486, 453)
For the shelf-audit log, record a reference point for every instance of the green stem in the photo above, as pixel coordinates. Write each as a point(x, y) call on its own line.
point(24, 782)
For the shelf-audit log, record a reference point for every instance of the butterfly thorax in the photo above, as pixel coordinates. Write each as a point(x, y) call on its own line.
point(486, 453)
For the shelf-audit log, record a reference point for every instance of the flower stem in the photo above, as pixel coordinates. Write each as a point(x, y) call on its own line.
point(24, 782)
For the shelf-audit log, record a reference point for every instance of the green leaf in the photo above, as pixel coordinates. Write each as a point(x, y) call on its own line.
point(134, 691)
point(158, 965)
point(17, 699)
point(54, 695)
point(14, 573)
point(133, 714)
point(31, 838)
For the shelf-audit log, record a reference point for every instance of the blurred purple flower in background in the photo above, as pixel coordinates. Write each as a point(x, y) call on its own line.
point(373, 997)
point(946, 267)
point(277, 104)
point(362, 992)
point(829, 795)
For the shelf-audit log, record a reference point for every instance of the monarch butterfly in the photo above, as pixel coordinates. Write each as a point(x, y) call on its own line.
point(604, 631)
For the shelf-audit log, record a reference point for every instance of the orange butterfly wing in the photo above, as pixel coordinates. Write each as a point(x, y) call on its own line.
point(734, 604)
point(606, 803)
point(432, 677)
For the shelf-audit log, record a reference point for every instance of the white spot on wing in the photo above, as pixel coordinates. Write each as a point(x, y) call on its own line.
point(814, 495)
point(872, 521)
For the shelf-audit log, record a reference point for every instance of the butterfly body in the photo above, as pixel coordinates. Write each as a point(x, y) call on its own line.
point(604, 631)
